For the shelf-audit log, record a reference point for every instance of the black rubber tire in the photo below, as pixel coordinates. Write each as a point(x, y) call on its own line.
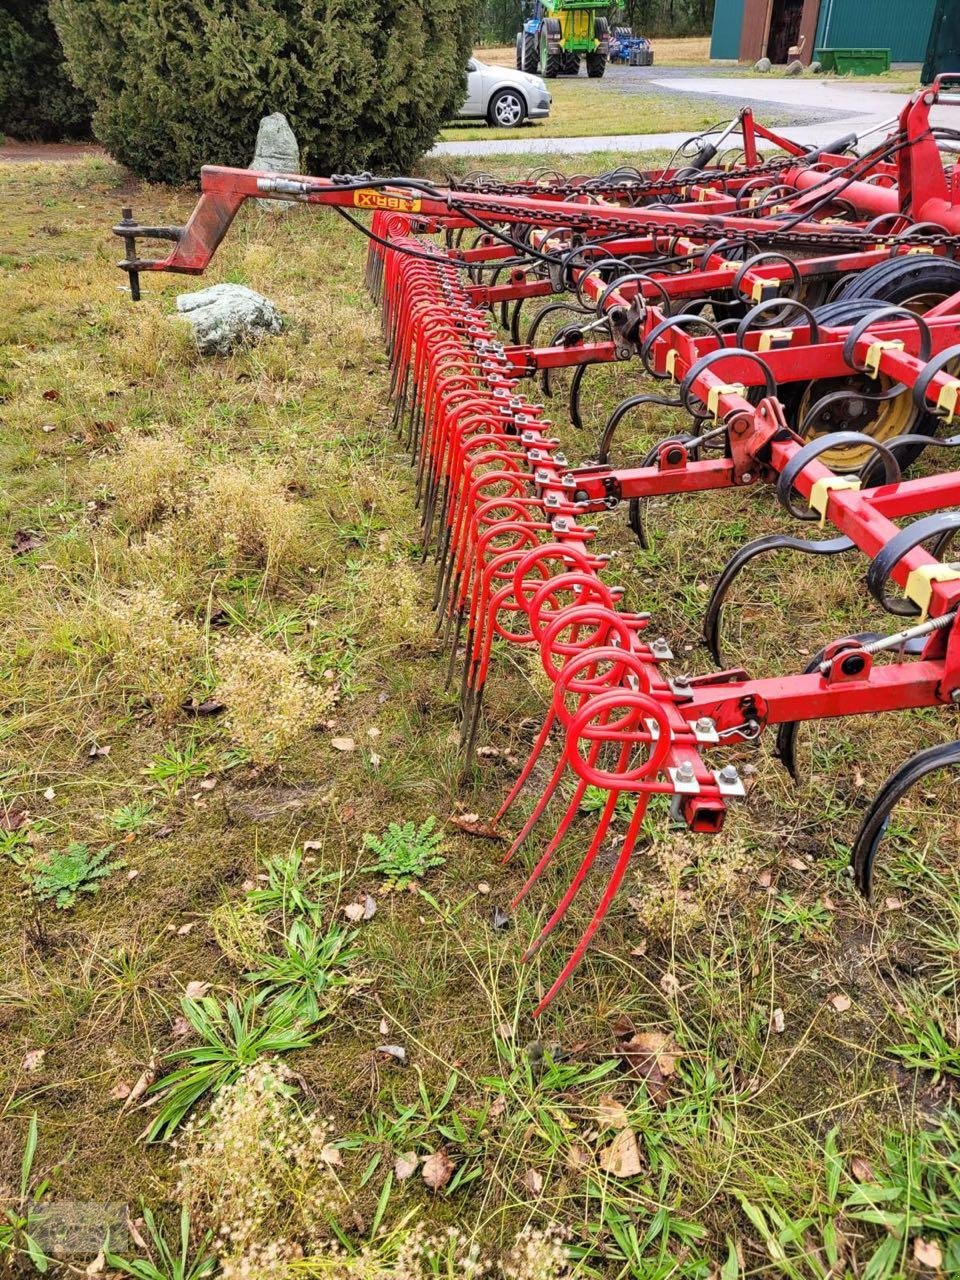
point(596, 64)
point(531, 54)
point(501, 96)
point(570, 64)
point(519, 59)
point(551, 59)
point(896, 281)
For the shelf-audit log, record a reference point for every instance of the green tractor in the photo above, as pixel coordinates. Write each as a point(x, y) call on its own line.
point(559, 33)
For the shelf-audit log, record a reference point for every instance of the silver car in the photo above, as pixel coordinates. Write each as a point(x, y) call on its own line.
point(503, 96)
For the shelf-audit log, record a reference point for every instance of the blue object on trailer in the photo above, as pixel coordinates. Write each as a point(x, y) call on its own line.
point(628, 49)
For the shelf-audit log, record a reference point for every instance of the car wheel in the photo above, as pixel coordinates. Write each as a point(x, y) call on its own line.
point(507, 109)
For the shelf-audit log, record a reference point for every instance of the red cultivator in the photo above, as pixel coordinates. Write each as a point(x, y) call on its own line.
point(805, 311)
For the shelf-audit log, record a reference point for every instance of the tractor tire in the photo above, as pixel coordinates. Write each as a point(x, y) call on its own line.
point(531, 54)
point(918, 283)
point(596, 64)
point(551, 54)
point(519, 50)
point(570, 64)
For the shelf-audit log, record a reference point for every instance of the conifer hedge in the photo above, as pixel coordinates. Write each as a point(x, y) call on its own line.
point(38, 100)
point(365, 83)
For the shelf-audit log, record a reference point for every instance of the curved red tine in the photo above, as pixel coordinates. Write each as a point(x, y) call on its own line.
point(639, 709)
point(607, 621)
point(622, 664)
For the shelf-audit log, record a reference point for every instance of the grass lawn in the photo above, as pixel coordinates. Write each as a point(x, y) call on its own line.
point(582, 108)
point(221, 683)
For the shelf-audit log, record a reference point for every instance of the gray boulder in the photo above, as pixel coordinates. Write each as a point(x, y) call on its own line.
point(762, 64)
point(794, 68)
point(226, 315)
point(816, 67)
point(277, 151)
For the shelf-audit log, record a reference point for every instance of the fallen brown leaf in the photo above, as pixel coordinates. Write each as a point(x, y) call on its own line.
point(651, 1056)
point(25, 540)
point(405, 1165)
point(144, 1081)
point(196, 989)
point(778, 1021)
point(474, 825)
point(533, 1182)
point(622, 1157)
point(840, 1002)
point(861, 1169)
point(577, 1158)
point(928, 1253)
point(611, 1114)
point(343, 744)
point(437, 1170)
point(33, 1060)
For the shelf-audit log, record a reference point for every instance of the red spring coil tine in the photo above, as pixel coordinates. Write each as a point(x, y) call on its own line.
point(587, 585)
point(564, 618)
point(567, 682)
point(620, 730)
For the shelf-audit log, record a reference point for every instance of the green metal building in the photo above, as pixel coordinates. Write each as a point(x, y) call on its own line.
point(751, 29)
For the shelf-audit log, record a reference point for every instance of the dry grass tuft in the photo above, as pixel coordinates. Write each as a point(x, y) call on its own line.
point(269, 700)
point(147, 478)
point(258, 1174)
point(153, 652)
point(247, 518)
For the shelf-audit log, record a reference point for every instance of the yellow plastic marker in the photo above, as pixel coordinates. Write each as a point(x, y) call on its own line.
point(714, 394)
point(947, 401)
point(920, 583)
point(764, 289)
point(874, 351)
point(820, 493)
point(771, 339)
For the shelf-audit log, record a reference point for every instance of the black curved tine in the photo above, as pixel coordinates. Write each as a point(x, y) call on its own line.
point(635, 521)
point(871, 470)
point(515, 336)
point(620, 412)
point(741, 558)
point(575, 383)
point(877, 817)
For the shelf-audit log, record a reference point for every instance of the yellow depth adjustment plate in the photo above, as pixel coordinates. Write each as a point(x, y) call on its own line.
point(820, 493)
point(947, 400)
point(671, 363)
point(764, 289)
point(920, 583)
point(772, 339)
point(874, 351)
point(714, 394)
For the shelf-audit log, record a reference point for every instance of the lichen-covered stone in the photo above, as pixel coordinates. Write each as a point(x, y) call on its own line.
point(794, 68)
point(277, 151)
point(226, 315)
point(762, 64)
